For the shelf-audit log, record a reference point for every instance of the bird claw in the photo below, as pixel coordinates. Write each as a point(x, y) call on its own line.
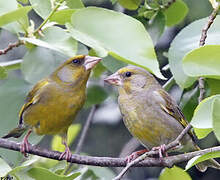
point(25, 147)
point(134, 155)
point(66, 154)
point(162, 150)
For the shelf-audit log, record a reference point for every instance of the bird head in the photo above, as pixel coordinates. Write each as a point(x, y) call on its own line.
point(76, 69)
point(132, 78)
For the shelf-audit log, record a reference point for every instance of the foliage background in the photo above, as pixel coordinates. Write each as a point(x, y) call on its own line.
point(107, 136)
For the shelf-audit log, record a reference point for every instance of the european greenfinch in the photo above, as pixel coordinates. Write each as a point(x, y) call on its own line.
point(150, 113)
point(54, 102)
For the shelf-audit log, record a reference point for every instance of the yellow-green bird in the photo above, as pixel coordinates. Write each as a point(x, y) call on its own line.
point(53, 103)
point(150, 113)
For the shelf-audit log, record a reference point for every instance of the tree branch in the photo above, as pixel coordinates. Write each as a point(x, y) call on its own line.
point(108, 161)
point(10, 47)
point(201, 80)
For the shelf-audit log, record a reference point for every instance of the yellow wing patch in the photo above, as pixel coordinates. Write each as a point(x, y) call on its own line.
point(32, 97)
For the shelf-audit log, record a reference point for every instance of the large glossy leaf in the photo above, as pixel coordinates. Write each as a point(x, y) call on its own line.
point(174, 173)
point(203, 61)
point(39, 63)
point(126, 38)
point(180, 9)
point(13, 15)
point(186, 41)
point(63, 42)
point(76, 4)
point(204, 157)
point(203, 116)
point(7, 6)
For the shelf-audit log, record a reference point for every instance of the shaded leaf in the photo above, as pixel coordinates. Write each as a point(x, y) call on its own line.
point(3, 73)
point(62, 16)
point(76, 4)
point(216, 117)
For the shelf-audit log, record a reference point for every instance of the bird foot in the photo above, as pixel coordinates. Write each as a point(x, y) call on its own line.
point(66, 154)
point(25, 147)
point(135, 154)
point(162, 150)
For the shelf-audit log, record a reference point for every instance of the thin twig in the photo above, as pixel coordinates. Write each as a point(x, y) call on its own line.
point(201, 80)
point(85, 129)
point(83, 134)
point(108, 161)
point(10, 47)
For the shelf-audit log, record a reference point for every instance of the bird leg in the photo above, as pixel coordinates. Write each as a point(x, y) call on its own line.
point(67, 153)
point(25, 144)
point(161, 149)
point(135, 154)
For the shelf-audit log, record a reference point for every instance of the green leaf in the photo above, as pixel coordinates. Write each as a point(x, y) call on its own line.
point(63, 42)
point(186, 41)
point(197, 159)
point(216, 117)
point(156, 26)
point(202, 133)
point(87, 174)
point(189, 102)
point(203, 61)
point(23, 1)
point(39, 63)
point(174, 173)
point(214, 86)
point(42, 173)
point(126, 40)
point(42, 7)
point(13, 15)
point(3, 73)
point(176, 13)
point(203, 116)
point(76, 4)
point(95, 95)
point(73, 131)
point(4, 168)
point(63, 16)
point(130, 4)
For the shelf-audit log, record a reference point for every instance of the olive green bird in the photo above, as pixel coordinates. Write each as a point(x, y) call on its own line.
point(54, 102)
point(150, 113)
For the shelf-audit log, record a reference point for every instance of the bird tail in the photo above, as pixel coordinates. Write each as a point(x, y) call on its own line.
point(202, 166)
point(16, 132)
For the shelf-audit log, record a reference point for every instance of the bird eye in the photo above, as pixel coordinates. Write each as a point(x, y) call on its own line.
point(76, 61)
point(128, 74)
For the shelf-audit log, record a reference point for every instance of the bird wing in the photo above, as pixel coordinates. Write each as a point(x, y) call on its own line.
point(171, 108)
point(32, 97)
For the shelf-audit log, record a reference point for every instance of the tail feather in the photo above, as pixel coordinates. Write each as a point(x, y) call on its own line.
point(16, 132)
